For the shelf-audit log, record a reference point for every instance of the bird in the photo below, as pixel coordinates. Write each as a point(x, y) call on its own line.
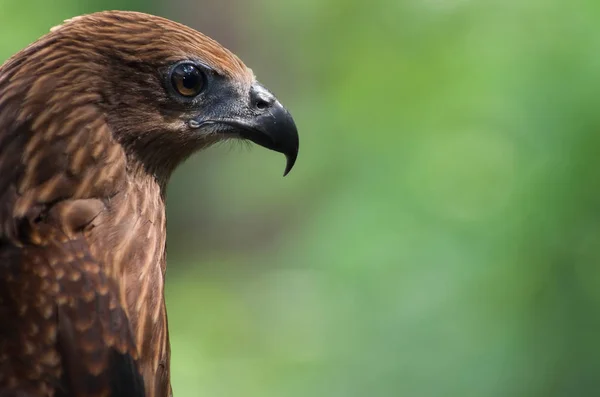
point(94, 117)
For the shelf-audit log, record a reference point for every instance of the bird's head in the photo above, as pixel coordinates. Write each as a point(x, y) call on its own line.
point(164, 89)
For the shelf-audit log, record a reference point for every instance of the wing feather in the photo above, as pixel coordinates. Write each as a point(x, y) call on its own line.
point(68, 331)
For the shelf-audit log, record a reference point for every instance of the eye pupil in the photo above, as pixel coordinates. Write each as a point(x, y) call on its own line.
point(187, 80)
point(190, 81)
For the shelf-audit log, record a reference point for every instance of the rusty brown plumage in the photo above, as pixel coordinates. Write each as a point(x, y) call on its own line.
point(91, 127)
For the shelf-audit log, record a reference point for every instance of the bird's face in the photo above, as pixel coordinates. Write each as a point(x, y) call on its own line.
point(167, 90)
point(212, 104)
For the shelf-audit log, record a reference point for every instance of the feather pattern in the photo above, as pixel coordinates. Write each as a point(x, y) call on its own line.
point(89, 135)
point(82, 222)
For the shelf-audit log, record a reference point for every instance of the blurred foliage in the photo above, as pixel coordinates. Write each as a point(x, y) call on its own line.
point(439, 235)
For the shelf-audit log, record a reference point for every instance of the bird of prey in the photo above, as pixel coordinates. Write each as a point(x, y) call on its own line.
point(94, 117)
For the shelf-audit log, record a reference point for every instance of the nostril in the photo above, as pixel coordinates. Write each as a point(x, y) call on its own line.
point(260, 98)
point(262, 104)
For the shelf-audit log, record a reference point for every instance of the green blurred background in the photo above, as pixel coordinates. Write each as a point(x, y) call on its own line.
point(440, 233)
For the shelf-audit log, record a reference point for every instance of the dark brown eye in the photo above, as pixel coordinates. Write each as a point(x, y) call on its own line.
point(187, 80)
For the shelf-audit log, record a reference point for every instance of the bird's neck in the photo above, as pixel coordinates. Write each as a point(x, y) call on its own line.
point(136, 228)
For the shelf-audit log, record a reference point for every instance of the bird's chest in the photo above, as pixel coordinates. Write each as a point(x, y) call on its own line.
point(131, 235)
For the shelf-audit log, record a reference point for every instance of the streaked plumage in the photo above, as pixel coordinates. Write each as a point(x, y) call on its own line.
point(90, 131)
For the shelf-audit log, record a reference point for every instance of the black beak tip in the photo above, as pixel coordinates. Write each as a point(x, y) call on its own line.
point(286, 139)
point(291, 160)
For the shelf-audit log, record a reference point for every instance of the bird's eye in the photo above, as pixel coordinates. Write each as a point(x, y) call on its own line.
point(187, 80)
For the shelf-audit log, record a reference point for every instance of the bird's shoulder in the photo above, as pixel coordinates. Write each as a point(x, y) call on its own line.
point(50, 153)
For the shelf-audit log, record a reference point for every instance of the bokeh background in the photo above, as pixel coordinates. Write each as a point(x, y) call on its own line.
point(440, 233)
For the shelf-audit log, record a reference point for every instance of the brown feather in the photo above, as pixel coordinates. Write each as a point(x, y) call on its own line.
point(88, 140)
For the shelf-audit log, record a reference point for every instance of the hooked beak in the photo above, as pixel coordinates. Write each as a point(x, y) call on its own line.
point(275, 130)
point(263, 120)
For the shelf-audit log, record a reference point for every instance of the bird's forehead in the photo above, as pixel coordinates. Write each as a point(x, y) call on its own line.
point(194, 45)
point(159, 39)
